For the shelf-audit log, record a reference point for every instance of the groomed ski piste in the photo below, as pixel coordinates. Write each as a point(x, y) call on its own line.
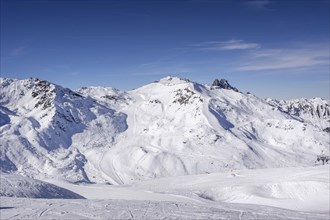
point(279, 193)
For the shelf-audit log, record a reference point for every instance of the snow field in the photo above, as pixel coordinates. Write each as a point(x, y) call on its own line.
point(280, 193)
point(301, 189)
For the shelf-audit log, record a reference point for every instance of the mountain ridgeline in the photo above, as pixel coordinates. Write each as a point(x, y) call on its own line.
point(167, 128)
point(315, 111)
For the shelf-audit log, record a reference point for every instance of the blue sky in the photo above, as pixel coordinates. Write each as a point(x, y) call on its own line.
point(277, 49)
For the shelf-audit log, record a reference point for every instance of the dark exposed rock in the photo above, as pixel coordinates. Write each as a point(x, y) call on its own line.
point(223, 84)
point(315, 111)
point(112, 97)
point(42, 90)
point(186, 96)
point(327, 129)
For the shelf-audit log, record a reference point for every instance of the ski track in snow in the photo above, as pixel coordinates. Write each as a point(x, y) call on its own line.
point(20, 208)
point(290, 193)
point(108, 168)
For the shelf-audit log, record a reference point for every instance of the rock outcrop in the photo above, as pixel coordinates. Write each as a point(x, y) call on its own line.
point(223, 84)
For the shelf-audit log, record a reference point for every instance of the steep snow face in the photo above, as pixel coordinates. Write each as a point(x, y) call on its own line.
point(315, 111)
point(41, 123)
point(13, 185)
point(168, 128)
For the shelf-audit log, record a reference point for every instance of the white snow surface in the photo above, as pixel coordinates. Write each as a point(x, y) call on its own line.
point(170, 149)
point(278, 193)
point(168, 128)
point(13, 185)
point(300, 188)
point(315, 111)
point(22, 208)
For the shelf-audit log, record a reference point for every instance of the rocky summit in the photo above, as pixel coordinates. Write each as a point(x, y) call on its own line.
point(223, 84)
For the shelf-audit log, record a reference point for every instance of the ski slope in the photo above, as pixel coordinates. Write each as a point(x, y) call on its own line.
point(13, 185)
point(280, 193)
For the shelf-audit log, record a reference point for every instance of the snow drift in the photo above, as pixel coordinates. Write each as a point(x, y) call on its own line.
point(13, 185)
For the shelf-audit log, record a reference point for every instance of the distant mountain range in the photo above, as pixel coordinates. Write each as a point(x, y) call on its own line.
point(315, 111)
point(166, 128)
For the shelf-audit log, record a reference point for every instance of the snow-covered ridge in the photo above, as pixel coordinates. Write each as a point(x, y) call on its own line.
point(315, 111)
point(167, 128)
point(42, 121)
point(13, 185)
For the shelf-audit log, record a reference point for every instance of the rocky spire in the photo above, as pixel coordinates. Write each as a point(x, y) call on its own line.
point(223, 84)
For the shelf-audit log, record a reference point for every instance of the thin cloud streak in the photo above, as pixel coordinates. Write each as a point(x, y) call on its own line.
point(227, 45)
point(277, 59)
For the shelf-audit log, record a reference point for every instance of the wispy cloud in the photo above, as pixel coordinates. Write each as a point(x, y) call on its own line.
point(17, 51)
point(258, 4)
point(279, 59)
point(227, 45)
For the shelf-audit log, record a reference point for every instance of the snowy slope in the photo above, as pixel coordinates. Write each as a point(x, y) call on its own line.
point(177, 127)
point(315, 111)
point(168, 128)
point(49, 130)
point(288, 193)
point(300, 188)
point(13, 185)
point(22, 208)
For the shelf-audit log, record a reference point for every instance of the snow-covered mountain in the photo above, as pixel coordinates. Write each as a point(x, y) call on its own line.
point(45, 126)
point(315, 111)
point(166, 128)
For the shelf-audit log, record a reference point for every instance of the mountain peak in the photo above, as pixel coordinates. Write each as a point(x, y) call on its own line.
point(223, 84)
point(168, 128)
point(172, 79)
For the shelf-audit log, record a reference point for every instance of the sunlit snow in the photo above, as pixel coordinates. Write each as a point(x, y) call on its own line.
point(172, 148)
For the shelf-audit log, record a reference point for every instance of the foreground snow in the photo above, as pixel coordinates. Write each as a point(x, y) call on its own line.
point(303, 189)
point(281, 193)
point(14, 185)
point(21, 208)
